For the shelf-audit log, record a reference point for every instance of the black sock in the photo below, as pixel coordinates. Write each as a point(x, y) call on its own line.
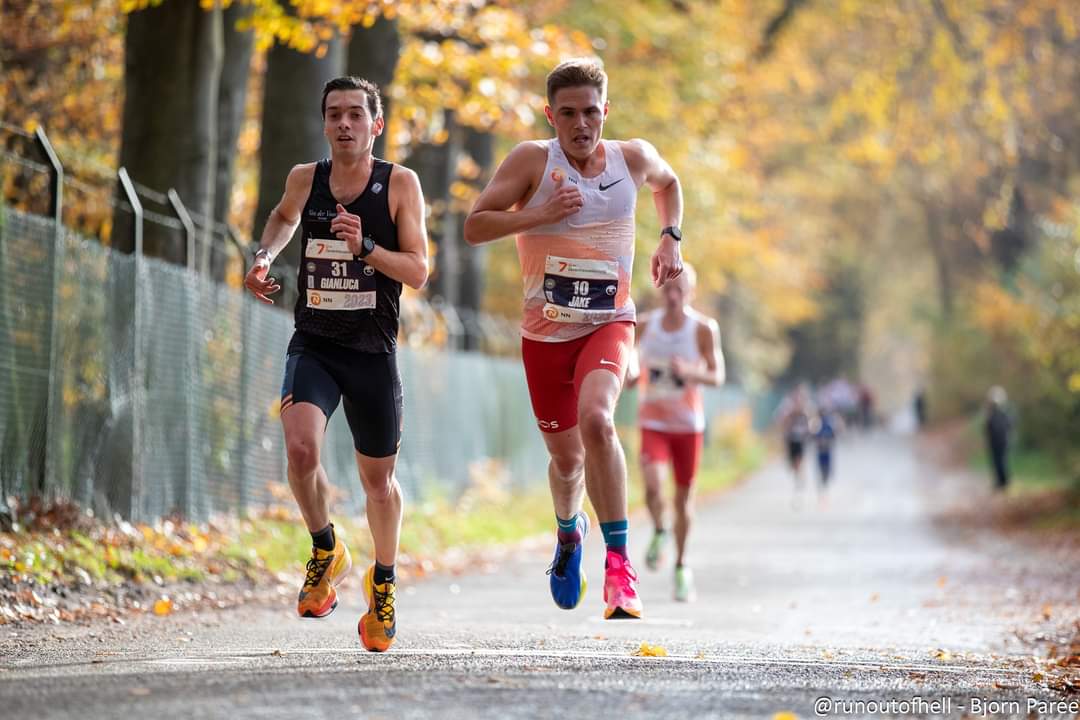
point(383, 573)
point(324, 539)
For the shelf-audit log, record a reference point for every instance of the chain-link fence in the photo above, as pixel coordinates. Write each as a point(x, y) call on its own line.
point(160, 394)
point(144, 388)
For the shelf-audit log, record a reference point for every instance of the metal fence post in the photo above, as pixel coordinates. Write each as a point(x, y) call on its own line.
point(136, 336)
point(56, 209)
point(245, 383)
point(187, 495)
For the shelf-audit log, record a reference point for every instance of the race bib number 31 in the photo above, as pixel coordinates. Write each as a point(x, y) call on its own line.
point(580, 290)
point(335, 281)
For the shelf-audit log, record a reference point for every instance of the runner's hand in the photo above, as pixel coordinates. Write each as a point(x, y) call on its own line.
point(666, 262)
point(682, 369)
point(565, 201)
point(347, 227)
point(257, 282)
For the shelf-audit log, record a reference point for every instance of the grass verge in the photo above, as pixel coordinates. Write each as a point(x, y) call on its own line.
point(58, 563)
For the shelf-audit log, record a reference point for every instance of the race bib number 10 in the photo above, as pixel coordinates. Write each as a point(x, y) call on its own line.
point(336, 281)
point(578, 290)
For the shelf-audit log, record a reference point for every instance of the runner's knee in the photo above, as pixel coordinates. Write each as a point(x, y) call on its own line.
point(597, 426)
point(568, 466)
point(683, 506)
point(303, 456)
point(380, 489)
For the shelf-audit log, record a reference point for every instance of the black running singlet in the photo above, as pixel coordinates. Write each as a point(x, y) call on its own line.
point(342, 298)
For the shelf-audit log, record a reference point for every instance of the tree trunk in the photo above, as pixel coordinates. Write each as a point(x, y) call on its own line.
point(437, 167)
point(232, 96)
point(172, 61)
point(292, 133)
point(373, 55)
point(939, 249)
point(480, 146)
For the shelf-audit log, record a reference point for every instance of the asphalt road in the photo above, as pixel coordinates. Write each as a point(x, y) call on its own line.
point(864, 598)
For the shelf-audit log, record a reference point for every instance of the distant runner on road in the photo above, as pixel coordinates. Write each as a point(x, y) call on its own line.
point(794, 421)
point(679, 352)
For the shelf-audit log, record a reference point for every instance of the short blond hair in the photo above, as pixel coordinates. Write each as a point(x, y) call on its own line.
point(575, 73)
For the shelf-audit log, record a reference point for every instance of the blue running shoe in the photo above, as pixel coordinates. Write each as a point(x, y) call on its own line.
point(567, 577)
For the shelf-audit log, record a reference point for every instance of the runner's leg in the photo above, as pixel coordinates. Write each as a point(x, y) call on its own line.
point(305, 428)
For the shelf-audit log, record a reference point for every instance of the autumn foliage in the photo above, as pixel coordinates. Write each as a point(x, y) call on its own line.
point(904, 171)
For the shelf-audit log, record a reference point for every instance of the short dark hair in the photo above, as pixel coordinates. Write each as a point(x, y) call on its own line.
point(575, 73)
point(351, 82)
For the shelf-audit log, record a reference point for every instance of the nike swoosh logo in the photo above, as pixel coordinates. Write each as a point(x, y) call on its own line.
point(608, 362)
point(604, 187)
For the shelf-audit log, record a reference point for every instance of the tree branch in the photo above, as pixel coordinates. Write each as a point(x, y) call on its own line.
point(958, 37)
point(775, 27)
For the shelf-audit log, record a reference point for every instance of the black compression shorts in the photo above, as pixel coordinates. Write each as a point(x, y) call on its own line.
point(321, 372)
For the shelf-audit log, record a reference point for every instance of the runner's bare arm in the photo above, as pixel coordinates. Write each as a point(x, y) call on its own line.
point(648, 168)
point(408, 264)
point(514, 182)
point(708, 339)
point(707, 336)
point(633, 368)
point(279, 230)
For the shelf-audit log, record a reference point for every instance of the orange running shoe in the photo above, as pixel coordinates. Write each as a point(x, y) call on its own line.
point(378, 626)
point(325, 569)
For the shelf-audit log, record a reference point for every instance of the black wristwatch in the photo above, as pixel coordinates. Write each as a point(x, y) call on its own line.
point(367, 245)
point(673, 231)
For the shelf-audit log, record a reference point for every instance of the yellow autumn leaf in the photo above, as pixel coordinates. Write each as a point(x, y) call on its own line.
point(647, 650)
point(163, 606)
point(1074, 382)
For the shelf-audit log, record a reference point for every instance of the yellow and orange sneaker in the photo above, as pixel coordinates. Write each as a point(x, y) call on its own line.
point(378, 625)
point(325, 570)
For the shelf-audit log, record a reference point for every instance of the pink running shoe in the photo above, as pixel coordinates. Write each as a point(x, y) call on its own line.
point(619, 591)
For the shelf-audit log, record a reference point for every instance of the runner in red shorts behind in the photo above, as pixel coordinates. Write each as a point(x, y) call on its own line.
point(570, 201)
point(679, 350)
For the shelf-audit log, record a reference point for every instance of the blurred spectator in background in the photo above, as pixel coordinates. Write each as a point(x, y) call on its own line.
point(920, 408)
point(998, 429)
point(842, 398)
point(866, 406)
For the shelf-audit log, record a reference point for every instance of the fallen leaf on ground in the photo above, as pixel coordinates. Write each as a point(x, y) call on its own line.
point(163, 606)
point(647, 650)
point(941, 654)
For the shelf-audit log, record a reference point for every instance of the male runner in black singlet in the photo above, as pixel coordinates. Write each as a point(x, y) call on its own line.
point(363, 236)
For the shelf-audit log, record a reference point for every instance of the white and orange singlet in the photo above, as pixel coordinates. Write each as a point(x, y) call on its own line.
point(576, 272)
point(669, 404)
